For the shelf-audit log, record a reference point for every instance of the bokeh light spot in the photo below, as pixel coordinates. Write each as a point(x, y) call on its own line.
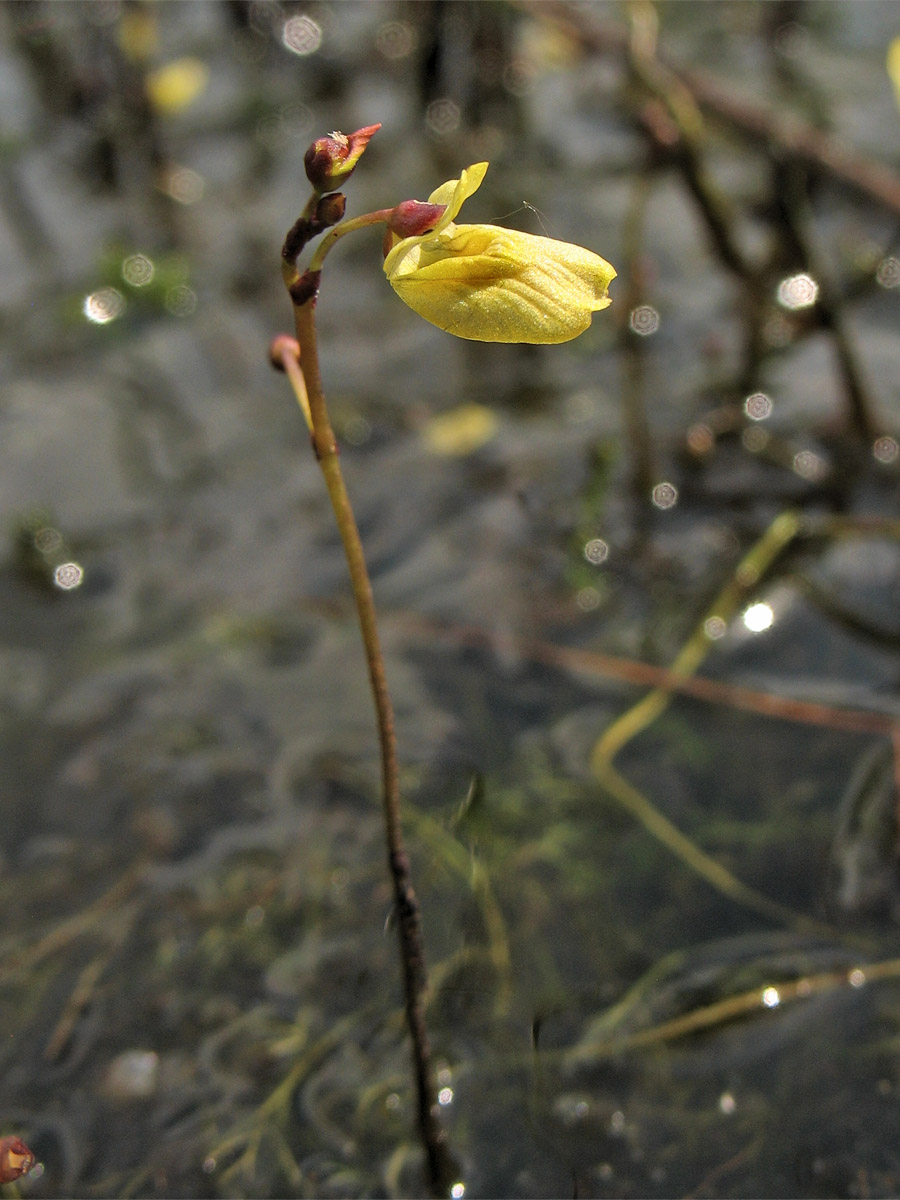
point(181, 301)
point(664, 495)
point(798, 291)
point(138, 270)
point(714, 628)
point(182, 185)
point(103, 306)
point(301, 35)
point(68, 576)
point(48, 540)
point(885, 449)
point(587, 599)
point(887, 274)
point(442, 117)
point(758, 617)
point(771, 997)
point(809, 465)
point(644, 320)
point(395, 40)
point(596, 551)
point(758, 406)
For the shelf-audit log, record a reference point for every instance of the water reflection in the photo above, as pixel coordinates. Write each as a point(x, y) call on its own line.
point(809, 465)
point(442, 117)
point(396, 40)
point(182, 184)
point(644, 320)
point(888, 272)
point(758, 617)
point(596, 551)
point(138, 270)
point(798, 291)
point(587, 599)
point(665, 495)
point(758, 406)
point(714, 628)
point(301, 35)
point(181, 301)
point(104, 306)
point(68, 576)
point(885, 449)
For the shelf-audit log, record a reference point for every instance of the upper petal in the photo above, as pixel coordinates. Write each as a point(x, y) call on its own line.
point(455, 192)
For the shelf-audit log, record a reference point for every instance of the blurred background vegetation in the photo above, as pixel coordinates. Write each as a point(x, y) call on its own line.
point(652, 976)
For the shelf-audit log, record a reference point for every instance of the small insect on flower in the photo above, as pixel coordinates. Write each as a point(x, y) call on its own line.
point(16, 1159)
point(491, 284)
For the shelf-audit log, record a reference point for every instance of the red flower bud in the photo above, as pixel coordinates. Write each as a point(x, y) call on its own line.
point(331, 160)
point(280, 346)
point(15, 1159)
point(329, 211)
point(411, 218)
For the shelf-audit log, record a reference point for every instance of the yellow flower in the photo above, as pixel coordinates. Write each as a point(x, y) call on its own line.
point(496, 285)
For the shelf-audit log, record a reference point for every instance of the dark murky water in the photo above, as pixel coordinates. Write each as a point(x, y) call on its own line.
point(197, 995)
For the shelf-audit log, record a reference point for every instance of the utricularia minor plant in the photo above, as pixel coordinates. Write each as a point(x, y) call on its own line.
point(481, 282)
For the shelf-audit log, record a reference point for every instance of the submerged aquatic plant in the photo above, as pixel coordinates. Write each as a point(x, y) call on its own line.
point(480, 282)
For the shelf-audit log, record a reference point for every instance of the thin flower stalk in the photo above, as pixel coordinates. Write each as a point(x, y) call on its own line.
point(300, 361)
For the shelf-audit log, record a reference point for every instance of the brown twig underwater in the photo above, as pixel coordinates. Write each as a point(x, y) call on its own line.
point(596, 664)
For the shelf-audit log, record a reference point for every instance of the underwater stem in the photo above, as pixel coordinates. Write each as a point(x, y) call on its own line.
point(412, 949)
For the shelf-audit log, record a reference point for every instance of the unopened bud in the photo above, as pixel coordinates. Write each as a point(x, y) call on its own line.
point(15, 1159)
point(329, 211)
point(414, 217)
point(283, 346)
point(331, 160)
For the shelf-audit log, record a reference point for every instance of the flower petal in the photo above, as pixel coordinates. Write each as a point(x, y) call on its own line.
point(455, 192)
point(490, 284)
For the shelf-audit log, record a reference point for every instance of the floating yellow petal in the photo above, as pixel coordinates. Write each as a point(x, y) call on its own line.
point(491, 284)
point(177, 84)
point(893, 66)
point(460, 431)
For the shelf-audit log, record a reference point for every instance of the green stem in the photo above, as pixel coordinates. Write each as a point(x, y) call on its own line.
point(412, 950)
point(338, 231)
